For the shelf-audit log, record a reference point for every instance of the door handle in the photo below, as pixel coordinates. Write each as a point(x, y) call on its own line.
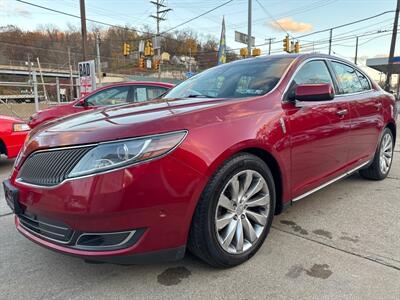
point(342, 112)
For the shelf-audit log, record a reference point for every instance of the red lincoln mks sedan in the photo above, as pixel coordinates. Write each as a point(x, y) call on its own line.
point(113, 94)
point(205, 167)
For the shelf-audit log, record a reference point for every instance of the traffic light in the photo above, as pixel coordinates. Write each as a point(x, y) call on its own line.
point(297, 47)
point(156, 64)
point(256, 52)
point(141, 63)
point(286, 44)
point(244, 52)
point(148, 49)
point(126, 49)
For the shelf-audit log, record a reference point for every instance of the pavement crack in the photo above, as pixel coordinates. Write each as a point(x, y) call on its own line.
point(7, 214)
point(340, 249)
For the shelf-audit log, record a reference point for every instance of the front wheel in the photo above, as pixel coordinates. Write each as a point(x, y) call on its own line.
point(235, 212)
point(382, 161)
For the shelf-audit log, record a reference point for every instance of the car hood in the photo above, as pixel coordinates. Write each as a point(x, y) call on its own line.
point(10, 119)
point(125, 121)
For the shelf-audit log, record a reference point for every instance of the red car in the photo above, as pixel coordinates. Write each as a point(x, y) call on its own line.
point(13, 132)
point(113, 94)
point(207, 166)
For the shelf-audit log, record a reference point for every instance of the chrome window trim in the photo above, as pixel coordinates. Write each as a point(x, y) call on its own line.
point(327, 59)
point(358, 70)
point(19, 181)
point(347, 173)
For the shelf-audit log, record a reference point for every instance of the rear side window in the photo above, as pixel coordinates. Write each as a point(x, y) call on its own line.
point(348, 78)
point(364, 81)
point(143, 93)
point(314, 71)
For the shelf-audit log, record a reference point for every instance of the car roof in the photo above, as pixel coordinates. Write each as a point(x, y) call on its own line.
point(148, 83)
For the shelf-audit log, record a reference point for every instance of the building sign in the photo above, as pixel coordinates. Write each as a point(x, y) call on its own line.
point(87, 77)
point(242, 38)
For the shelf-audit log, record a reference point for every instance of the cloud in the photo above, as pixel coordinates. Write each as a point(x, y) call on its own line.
point(290, 25)
point(14, 10)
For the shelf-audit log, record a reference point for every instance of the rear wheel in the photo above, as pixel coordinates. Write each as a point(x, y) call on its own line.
point(382, 162)
point(234, 213)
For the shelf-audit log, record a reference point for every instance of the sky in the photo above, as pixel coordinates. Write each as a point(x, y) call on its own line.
point(271, 19)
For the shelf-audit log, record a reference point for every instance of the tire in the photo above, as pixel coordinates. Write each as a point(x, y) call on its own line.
point(380, 166)
point(206, 241)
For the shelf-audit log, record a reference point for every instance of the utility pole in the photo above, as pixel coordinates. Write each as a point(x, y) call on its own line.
point(392, 48)
point(98, 57)
point(355, 57)
point(83, 28)
point(161, 11)
point(71, 80)
point(249, 28)
point(269, 44)
point(330, 41)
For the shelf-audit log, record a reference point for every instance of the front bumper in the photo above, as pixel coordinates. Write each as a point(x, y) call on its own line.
point(156, 199)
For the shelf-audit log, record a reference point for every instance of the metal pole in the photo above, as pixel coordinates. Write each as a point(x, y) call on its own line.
point(71, 80)
point(392, 48)
point(43, 84)
point(355, 57)
point(58, 89)
point(190, 60)
point(249, 29)
point(35, 91)
point(98, 57)
point(83, 28)
point(398, 87)
point(330, 41)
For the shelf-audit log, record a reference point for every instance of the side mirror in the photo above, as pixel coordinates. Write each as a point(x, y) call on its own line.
point(314, 92)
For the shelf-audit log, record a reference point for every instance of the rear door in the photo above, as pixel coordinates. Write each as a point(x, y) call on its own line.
point(319, 132)
point(365, 111)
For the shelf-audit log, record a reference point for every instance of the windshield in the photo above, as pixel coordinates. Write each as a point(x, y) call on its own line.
point(239, 79)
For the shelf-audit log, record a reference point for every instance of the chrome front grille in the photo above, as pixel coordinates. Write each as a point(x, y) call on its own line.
point(51, 230)
point(48, 168)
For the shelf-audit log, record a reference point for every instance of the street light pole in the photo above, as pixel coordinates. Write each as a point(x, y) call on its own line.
point(355, 57)
point(392, 48)
point(98, 57)
point(249, 28)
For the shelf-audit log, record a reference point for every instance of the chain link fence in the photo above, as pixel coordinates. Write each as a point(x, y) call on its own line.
point(22, 99)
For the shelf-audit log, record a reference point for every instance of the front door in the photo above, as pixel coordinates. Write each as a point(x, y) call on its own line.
point(319, 133)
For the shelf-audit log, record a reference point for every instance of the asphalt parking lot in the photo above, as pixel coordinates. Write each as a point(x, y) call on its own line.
point(342, 242)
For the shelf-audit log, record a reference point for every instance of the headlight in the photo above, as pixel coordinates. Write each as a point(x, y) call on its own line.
point(111, 155)
point(20, 127)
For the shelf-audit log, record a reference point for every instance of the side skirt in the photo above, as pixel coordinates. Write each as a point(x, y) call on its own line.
point(330, 182)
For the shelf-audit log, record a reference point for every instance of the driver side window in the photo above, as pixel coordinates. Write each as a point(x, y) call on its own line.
point(111, 96)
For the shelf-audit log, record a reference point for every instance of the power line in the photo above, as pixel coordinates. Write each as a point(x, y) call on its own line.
point(194, 18)
point(347, 24)
point(275, 21)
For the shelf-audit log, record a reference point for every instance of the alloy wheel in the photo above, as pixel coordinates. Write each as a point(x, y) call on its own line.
point(386, 153)
point(242, 211)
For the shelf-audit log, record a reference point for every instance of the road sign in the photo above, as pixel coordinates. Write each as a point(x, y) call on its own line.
point(148, 63)
point(87, 77)
point(242, 38)
point(190, 74)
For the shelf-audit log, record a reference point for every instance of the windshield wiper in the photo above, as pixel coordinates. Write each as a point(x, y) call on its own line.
point(199, 96)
